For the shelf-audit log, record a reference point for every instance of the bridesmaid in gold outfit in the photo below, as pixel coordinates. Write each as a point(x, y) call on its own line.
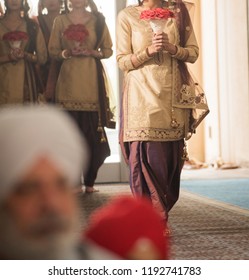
point(78, 86)
point(155, 115)
point(18, 79)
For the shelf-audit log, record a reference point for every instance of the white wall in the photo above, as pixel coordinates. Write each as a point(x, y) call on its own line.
point(225, 76)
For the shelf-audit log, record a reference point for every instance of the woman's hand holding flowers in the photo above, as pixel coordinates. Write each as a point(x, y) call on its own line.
point(16, 54)
point(160, 42)
point(75, 52)
point(167, 46)
point(86, 52)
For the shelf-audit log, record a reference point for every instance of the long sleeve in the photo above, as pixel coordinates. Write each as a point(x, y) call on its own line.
point(55, 45)
point(123, 43)
point(190, 51)
point(106, 44)
point(126, 47)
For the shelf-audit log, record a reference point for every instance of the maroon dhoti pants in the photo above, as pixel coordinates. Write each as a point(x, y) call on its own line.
point(155, 169)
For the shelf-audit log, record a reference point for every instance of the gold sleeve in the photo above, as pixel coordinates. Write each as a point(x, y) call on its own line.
point(106, 44)
point(190, 51)
point(54, 45)
point(123, 43)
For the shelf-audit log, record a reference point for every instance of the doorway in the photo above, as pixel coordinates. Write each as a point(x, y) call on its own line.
point(114, 169)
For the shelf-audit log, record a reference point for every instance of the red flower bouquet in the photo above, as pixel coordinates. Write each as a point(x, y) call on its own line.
point(15, 38)
point(157, 13)
point(157, 18)
point(76, 33)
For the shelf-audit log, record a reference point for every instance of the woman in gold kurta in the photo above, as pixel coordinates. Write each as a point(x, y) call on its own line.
point(77, 88)
point(154, 113)
point(18, 79)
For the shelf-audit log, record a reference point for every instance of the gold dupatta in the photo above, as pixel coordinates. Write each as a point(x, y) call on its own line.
point(191, 94)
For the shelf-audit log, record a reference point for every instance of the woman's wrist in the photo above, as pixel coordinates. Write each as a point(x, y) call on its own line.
point(172, 49)
point(181, 53)
point(97, 54)
point(11, 57)
point(100, 54)
point(66, 54)
point(149, 53)
point(143, 56)
point(30, 57)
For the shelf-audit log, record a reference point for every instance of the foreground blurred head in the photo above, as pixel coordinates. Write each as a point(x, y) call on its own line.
point(42, 157)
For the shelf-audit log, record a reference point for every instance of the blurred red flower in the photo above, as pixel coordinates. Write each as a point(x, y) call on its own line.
point(15, 36)
point(76, 32)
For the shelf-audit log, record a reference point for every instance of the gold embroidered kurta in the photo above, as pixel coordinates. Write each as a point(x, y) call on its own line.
point(151, 90)
point(77, 85)
point(13, 82)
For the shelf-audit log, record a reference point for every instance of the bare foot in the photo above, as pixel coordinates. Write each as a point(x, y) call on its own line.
point(91, 190)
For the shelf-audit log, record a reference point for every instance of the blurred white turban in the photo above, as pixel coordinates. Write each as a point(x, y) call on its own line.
point(29, 132)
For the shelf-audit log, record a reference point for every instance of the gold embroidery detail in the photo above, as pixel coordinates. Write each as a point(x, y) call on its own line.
point(153, 134)
point(187, 95)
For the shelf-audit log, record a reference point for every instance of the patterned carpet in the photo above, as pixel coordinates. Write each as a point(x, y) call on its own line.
point(207, 230)
point(202, 229)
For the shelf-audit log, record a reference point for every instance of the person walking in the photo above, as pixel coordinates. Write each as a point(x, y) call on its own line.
point(80, 39)
point(22, 47)
point(158, 97)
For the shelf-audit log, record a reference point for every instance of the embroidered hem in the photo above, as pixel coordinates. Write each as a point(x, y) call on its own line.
point(151, 134)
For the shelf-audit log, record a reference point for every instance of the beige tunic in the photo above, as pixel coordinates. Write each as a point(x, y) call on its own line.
point(150, 90)
point(77, 85)
point(12, 76)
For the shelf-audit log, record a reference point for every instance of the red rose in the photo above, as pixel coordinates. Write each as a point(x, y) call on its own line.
point(157, 13)
point(15, 36)
point(76, 32)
